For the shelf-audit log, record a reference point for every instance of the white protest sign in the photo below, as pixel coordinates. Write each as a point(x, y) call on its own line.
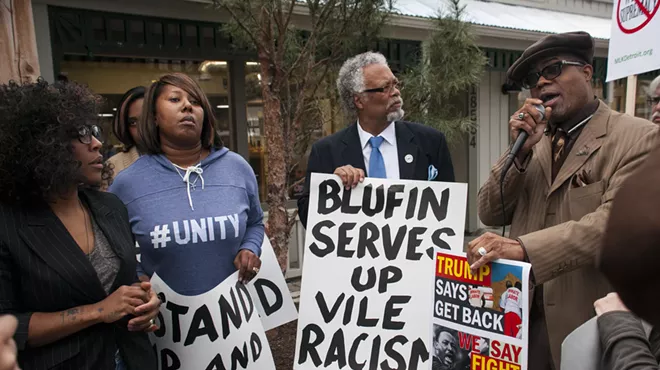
point(633, 45)
point(366, 299)
point(217, 330)
point(270, 292)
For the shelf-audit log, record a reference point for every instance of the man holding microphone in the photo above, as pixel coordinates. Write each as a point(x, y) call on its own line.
point(558, 194)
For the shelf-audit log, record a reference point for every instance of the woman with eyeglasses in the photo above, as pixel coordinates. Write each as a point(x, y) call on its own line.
point(124, 127)
point(67, 260)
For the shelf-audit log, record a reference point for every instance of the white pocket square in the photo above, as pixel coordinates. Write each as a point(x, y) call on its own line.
point(433, 173)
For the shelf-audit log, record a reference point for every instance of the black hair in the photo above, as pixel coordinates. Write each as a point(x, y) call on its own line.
point(37, 123)
point(120, 123)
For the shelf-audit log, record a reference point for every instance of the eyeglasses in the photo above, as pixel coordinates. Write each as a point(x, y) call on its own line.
point(387, 88)
point(653, 101)
point(85, 134)
point(549, 73)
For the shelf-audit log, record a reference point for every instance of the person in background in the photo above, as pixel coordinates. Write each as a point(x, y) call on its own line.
point(67, 260)
point(654, 99)
point(193, 205)
point(559, 193)
point(629, 259)
point(377, 143)
point(8, 357)
point(124, 127)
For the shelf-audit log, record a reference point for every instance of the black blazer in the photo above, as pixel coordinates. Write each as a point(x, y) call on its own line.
point(42, 269)
point(427, 145)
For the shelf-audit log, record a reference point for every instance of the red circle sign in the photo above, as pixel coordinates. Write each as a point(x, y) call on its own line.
point(635, 15)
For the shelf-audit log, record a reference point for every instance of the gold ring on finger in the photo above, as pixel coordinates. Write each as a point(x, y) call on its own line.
point(255, 270)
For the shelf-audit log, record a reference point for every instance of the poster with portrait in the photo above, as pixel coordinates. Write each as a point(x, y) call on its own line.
point(481, 320)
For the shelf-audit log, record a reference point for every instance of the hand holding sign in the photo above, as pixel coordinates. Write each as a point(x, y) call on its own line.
point(496, 247)
point(247, 264)
point(147, 311)
point(350, 176)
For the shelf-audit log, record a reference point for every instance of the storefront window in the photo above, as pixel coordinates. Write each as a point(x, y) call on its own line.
point(643, 107)
point(599, 88)
point(618, 91)
point(112, 77)
point(255, 125)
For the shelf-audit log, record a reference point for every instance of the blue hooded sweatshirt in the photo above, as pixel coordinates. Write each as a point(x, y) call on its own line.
point(189, 232)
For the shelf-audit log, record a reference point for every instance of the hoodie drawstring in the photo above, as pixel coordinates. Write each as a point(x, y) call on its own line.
point(186, 178)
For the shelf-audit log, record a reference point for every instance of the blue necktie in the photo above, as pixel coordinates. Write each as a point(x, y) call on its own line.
point(376, 162)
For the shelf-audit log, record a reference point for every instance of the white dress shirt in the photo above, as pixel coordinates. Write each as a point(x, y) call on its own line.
point(388, 149)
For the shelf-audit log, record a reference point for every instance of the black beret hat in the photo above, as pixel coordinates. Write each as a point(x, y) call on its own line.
point(579, 44)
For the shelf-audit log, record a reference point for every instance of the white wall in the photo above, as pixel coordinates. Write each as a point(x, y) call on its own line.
point(492, 137)
point(42, 34)
point(594, 8)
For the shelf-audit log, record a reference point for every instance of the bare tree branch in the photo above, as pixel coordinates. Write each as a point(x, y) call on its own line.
point(311, 41)
point(289, 14)
point(240, 23)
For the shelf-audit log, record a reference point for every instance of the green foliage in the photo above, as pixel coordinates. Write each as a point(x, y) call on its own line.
point(451, 62)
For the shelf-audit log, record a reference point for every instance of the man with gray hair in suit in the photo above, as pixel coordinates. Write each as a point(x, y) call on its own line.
point(654, 100)
point(377, 142)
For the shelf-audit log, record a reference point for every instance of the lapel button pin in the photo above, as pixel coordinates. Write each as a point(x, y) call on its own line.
point(408, 158)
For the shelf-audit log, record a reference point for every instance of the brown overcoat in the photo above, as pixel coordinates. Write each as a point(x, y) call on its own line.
point(561, 223)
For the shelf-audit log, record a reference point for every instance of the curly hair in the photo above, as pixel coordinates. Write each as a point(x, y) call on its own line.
point(37, 123)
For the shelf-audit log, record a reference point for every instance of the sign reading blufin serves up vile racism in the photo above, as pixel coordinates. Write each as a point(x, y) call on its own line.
point(634, 48)
point(366, 299)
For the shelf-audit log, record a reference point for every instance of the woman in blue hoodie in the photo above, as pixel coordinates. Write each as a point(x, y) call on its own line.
point(193, 205)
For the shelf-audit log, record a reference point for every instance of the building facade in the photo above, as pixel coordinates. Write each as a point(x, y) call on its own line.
point(115, 45)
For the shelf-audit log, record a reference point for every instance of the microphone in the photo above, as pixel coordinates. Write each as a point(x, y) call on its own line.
point(520, 141)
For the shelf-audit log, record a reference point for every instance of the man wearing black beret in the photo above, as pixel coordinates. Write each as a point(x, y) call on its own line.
point(558, 195)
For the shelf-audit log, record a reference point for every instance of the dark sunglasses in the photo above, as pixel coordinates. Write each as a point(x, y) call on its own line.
point(85, 134)
point(387, 88)
point(654, 100)
point(550, 72)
